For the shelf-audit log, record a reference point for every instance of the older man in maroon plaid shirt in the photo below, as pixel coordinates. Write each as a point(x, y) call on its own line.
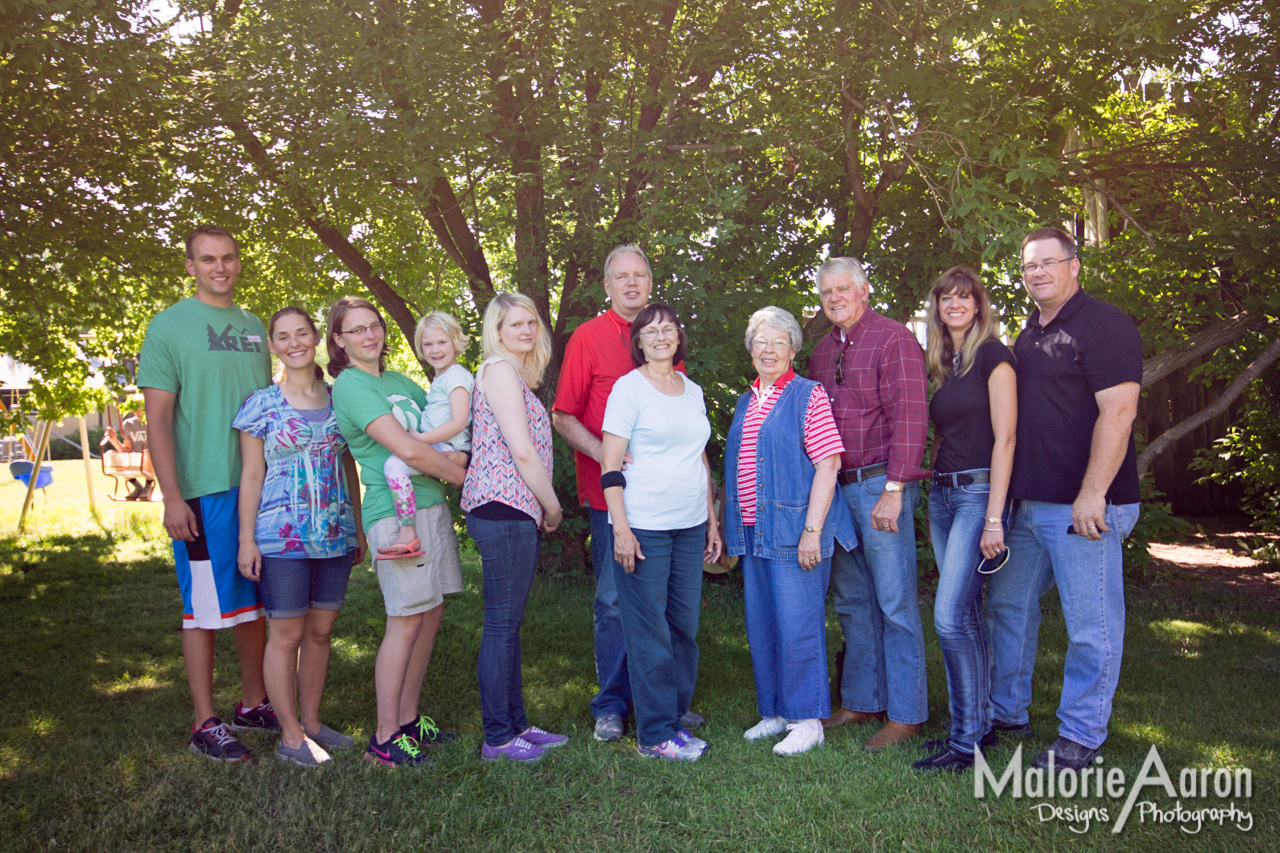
point(873, 370)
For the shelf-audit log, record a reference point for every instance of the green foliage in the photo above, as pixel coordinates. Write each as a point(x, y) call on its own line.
point(926, 560)
point(1249, 454)
point(447, 150)
point(1156, 523)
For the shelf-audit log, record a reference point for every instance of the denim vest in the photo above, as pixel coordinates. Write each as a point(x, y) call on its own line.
point(784, 476)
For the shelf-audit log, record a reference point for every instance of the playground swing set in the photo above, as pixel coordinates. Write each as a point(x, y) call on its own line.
point(121, 466)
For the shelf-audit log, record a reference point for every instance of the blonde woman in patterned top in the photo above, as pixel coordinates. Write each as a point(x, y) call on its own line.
point(509, 503)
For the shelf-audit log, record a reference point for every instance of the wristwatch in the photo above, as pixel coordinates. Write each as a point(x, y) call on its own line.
point(809, 529)
point(892, 486)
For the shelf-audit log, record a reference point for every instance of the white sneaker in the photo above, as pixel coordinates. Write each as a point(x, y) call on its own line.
point(804, 736)
point(768, 727)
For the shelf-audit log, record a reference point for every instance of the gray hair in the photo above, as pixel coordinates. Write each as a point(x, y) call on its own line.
point(781, 319)
point(841, 266)
point(623, 249)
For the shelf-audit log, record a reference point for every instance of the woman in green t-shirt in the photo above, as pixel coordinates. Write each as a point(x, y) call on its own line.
point(366, 396)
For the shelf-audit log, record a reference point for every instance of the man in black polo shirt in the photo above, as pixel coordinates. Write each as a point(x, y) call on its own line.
point(1075, 491)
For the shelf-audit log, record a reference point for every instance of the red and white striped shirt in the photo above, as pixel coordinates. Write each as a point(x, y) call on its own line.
point(821, 436)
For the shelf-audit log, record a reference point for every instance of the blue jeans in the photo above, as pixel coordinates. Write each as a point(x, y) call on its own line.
point(956, 519)
point(876, 597)
point(611, 651)
point(787, 632)
point(659, 604)
point(508, 560)
point(291, 587)
point(1090, 580)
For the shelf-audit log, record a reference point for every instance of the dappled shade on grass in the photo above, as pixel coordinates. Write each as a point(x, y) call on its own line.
point(95, 715)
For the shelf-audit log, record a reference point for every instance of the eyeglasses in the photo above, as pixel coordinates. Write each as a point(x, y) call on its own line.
point(990, 566)
point(777, 344)
point(359, 331)
point(840, 367)
point(1029, 270)
point(651, 334)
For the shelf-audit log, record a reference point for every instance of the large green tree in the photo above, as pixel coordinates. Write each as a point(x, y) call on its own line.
point(429, 154)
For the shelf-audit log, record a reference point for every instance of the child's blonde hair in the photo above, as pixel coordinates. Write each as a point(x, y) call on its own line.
point(445, 323)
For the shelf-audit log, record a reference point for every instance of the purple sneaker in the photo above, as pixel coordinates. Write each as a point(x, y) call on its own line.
point(544, 739)
point(676, 749)
point(258, 718)
point(693, 741)
point(214, 742)
point(518, 750)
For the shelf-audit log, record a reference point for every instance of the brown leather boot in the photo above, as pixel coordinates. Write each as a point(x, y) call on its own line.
point(891, 733)
point(844, 715)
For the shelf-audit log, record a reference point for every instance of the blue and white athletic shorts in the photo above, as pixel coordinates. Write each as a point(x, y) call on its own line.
point(214, 593)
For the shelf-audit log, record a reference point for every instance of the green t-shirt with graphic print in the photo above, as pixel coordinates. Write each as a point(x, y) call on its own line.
point(213, 358)
point(359, 399)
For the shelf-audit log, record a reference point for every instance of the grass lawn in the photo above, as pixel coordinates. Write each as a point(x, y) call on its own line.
point(95, 716)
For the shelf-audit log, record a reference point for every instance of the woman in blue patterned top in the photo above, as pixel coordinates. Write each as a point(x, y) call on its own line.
point(299, 531)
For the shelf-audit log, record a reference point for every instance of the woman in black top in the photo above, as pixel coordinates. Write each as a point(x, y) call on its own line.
point(974, 411)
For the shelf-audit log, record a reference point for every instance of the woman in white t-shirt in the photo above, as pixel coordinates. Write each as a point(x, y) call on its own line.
point(663, 528)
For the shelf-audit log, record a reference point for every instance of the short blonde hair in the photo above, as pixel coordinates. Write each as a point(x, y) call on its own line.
point(445, 323)
point(531, 366)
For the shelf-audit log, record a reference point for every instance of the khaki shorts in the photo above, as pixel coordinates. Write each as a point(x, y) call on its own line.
point(418, 584)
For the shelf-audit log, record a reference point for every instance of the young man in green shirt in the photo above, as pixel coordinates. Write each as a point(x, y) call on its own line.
point(200, 360)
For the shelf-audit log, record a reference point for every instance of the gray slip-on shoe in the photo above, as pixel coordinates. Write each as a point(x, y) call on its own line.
point(330, 739)
point(310, 754)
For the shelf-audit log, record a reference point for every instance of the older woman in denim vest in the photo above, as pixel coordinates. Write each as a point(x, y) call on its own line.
point(781, 460)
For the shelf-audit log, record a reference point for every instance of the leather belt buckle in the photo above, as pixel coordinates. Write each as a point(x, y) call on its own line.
point(850, 476)
point(951, 481)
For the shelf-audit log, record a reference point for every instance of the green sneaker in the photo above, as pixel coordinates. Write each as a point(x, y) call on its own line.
point(425, 731)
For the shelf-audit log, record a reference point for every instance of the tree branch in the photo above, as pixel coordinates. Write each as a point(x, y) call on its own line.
point(1201, 343)
point(337, 242)
point(1220, 405)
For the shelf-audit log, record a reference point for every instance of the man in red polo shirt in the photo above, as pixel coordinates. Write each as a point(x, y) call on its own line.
point(597, 355)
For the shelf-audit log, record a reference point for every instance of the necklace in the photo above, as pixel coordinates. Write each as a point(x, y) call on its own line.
point(659, 381)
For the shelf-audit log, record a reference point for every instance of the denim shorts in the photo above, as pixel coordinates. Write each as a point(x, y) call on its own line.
point(291, 587)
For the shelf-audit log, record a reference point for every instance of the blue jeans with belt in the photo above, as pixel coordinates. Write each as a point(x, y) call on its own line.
point(1089, 575)
point(877, 599)
point(508, 561)
point(956, 519)
point(659, 604)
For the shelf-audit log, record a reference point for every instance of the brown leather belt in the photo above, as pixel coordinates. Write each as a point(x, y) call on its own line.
point(857, 475)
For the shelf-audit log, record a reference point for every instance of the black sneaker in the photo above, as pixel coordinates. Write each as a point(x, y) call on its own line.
point(259, 718)
point(1067, 755)
point(989, 740)
point(1011, 729)
point(949, 760)
point(214, 742)
point(425, 731)
point(401, 751)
